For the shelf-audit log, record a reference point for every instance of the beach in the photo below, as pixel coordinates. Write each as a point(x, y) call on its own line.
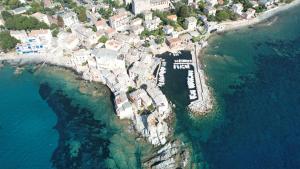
point(231, 25)
point(58, 60)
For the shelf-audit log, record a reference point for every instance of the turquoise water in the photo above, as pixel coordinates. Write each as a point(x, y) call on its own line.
point(51, 119)
point(27, 136)
point(254, 74)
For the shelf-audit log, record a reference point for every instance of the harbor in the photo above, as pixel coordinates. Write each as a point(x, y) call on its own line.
point(183, 69)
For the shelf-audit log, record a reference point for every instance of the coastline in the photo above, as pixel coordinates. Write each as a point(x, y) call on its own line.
point(245, 53)
point(228, 26)
point(163, 155)
point(233, 25)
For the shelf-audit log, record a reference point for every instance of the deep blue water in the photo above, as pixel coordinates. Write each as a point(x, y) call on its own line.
point(255, 77)
point(48, 120)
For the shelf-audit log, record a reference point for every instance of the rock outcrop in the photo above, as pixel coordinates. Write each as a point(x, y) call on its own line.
point(172, 155)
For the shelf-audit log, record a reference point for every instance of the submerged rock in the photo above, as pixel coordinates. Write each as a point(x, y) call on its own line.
point(169, 156)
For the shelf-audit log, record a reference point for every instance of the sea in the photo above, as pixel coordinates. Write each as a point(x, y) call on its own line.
point(254, 75)
point(50, 118)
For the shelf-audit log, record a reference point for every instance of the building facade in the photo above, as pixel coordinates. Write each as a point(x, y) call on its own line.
point(119, 21)
point(139, 6)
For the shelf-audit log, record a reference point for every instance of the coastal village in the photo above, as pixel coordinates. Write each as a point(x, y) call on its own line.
point(115, 42)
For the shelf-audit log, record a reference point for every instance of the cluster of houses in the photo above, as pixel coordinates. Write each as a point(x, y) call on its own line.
point(122, 62)
point(140, 6)
point(123, 22)
point(136, 95)
point(35, 41)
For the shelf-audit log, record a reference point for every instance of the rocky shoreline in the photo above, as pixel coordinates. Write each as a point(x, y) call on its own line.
point(169, 153)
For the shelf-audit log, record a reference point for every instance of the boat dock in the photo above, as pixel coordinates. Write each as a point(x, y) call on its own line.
point(182, 64)
point(161, 73)
point(203, 103)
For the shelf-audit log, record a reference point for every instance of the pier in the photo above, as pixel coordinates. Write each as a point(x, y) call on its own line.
point(204, 101)
point(161, 73)
point(182, 64)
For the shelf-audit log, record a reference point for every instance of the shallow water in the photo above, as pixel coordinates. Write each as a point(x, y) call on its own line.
point(50, 119)
point(69, 123)
point(27, 136)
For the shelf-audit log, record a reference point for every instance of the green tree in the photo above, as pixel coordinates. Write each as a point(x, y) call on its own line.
point(53, 26)
point(7, 42)
point(81, 13)
point(106, 13)
point(222, 15)
point(19, 22)
point(260, 9)
point(184, 11)
point(94, 28)
point(103, 39)
point(55, 32)
point(201, 5)
point(36, 7)
point(60, 21)
point(159, 40)
point(12, 4)
point(5, 15)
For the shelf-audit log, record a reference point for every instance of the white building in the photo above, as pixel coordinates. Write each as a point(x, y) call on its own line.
point(69, 18)
point(190, 23)
point(81, 56)
point(123, 107)
point(211, 26)
point(211, 2)
point(152, 24)
point(147, 15)
point(140, 99)
point(67, 41)
point(108, 59)
point(19, 11)
point(80, 60)
point(137, 29)
point(31, 46)
point(237, 8)
point(249, 13)
point(20, 35)
point(254, 3)
point(110, 32)
point(159, 98)
point(86, 35)
point(136, 22)
point(41, 17)
point(120, 21)
point(44, 35)
point(267, 3)
point(139, 6)
point(168, 29)
point(101, 24)
point(1, 22)
point(209, 10)
point(113, 45)
point(135, 72)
